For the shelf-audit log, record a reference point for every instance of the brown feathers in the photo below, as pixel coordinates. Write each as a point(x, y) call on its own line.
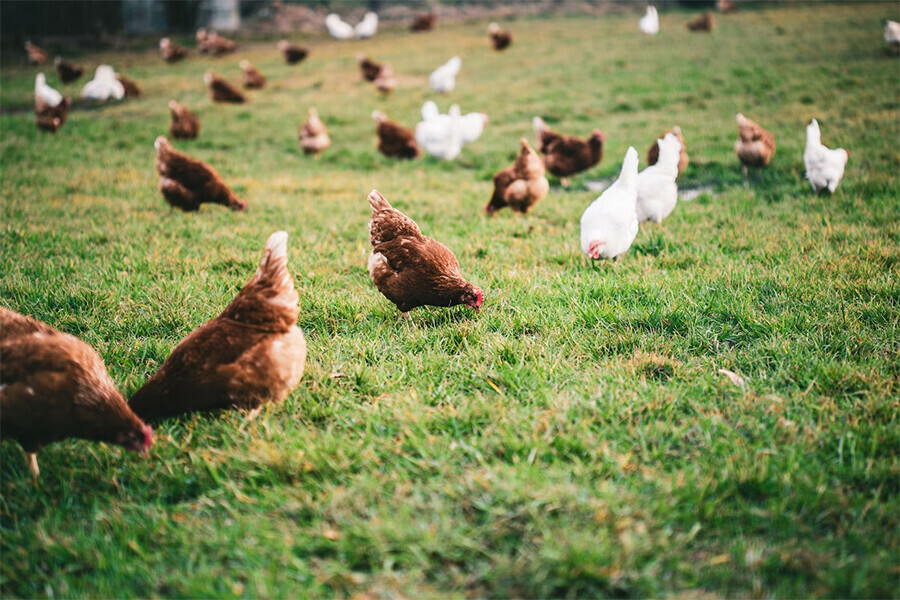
point(499, 39)
point(36, 56)
point(313, 134)
point(755, 146)
point(292, 54)
point(51, 118)
point(381, 74)
point(394, 140)
point(251, 354)
point(222, 91)
point(131, 87)
point(653, 150)
point(171, 52)
point(521, 185)
point(213, 43)
point(68, 71)
point(184, 125)
point(424, 22)
point(566, 155)
point(702, 23)
point(252, 78)
point(368, 67)
point(187, 183)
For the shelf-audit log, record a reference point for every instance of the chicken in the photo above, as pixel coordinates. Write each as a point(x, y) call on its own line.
point(423, 22)
point(368, 27)
point(522, 185)
point(51, 109)
point(566, 155)
point(171, 52)
point(471, 124)
point(755, 145)
point(132, 90)
point(213, 43)
point(410, 269)
point(36, 56)
point(683, 159)
point(313, 135)
point(702, 23)
point(253, 353)
point(186, 183)
point(657, 192)
point(892, 35)
point(394, 140)
point(443, 79)
point(609, 225)
point(185, 125)
point(441, 138)
point(338, 28)
point(103, 86)
point(292, 54)
point(202, 39)
point(368, 68)
point(67, 71)
point(726, 6)
point(499, 39)
point(824, 167)
point(54, 386)
point(252, 78)
point(222, 91)
point(649, 23)
point(44, 95)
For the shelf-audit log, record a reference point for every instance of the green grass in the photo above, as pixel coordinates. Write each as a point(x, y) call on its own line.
point(574, 438)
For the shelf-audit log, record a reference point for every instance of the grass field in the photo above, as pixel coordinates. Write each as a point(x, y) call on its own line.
point(574, 438)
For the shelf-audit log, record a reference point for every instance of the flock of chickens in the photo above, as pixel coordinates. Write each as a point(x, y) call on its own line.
point(55, 386)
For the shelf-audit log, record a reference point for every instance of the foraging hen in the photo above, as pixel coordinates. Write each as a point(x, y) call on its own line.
point(609, 225)
point(222, 91)
point(186, 183)
point(649, 23)
point(292, 54)
point(755, 146)
point(54, 386)
point(338, 28)
point(394, 140)
point(500, 39)
point(567, 155)
point(683, 159)
point(443, 79)
point(171, 52)
point(36, 56)
point(657, 192)
point(51, 109)
point(252, 78)
point(441, 138)
point(185, 125)
point(67, 71)
point(313, 135)
point(103, 86)
point(410, 269)
point(824, 166)
point(132, 89)
point(368, 27)
point(213, 43)
point(423, 22)
point(521, 185)
point(251, 354)
point(702, 23)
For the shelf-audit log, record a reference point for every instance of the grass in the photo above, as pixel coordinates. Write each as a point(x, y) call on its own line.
point(574, 438)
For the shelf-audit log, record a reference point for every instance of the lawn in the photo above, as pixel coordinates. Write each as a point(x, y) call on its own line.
point(575, 437)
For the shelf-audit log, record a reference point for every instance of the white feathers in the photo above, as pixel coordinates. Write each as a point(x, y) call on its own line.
point(609, 225)
point(443, 79)
point(103, 86)
point(649, 23)
point(368, 26)
point(339, 29)
point(892, 33)
point(657, 192)
point(44, 93)
point(471, 124)
point(441, 136)
point(824, 167)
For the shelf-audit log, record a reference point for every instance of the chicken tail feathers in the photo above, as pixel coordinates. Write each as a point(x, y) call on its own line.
point(378, 202)
point(273, 266)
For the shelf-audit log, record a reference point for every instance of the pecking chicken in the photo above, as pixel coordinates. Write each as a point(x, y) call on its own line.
point(67, 71)
point(132, 90)
point(892, 36)
point(386, 81)
point(824, 167)
point(368, 27)
point(103, 86)
point(423, 22)
point(702, 23)
point(567, 155)
point(338, 28)
point(683, 159)
point(222, 91)
point(185, 125)
point(36, 56)
point(252, 78)
point(210, 42)
point(500, 39)
point(649, 23)
point(657, 192)
point(51, 109)
point(755, 145)
point(251, 354)
point(471, 124)
point(186, 183)
point(292, 54)
point(443, 79)
point(521, 185)
point(313, 135)
point(394, 140)
point(410, 269)
point(609, 225)
point(368, 68)
point(171, 52)
point(441, 138)
point(54, 386)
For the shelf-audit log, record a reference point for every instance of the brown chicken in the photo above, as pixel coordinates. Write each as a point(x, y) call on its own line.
point(292, 54)
point(755, 146)
point(702, 23)
point(394, 140)
point(368, 67)
point(565, 155)
point(252, 78)
point(36, 56)
point(313, 135)
point(386, 80)
point(186, 183)
point(185, 125)
point(499, 38)
point(424, 22)
point(522, 185)
point(251, 354)
point(726, 6)
point(67, 71)
point(210, 42)
point(171, 52)
point(54, 386)
point(222, 91)
point(132, 90)
point(411, 269)
point(51, 118)
point(653, 150)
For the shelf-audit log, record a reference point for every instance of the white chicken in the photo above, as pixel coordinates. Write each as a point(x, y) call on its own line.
point(338, 28)
point(824, 167)
point(368, 26)
point(439, 138)
point(472, 124)
point(609, 225)
point(892, 33)
point(443, 79)
point(103, 86)
point(649, 23)
point(45, 94)
point(657, 191)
